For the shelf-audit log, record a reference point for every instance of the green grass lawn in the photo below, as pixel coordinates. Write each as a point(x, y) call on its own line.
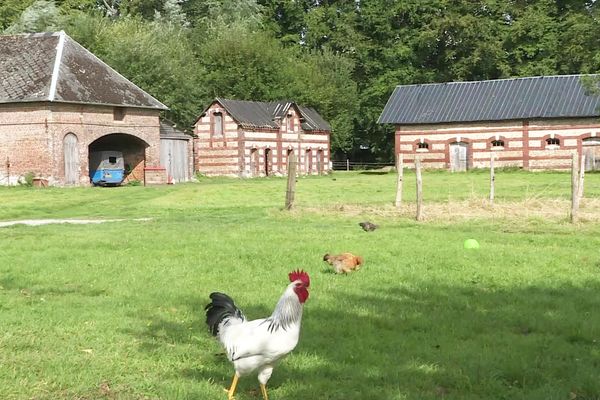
point(115, 310)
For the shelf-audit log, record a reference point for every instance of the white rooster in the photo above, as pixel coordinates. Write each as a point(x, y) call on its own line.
point(257, 345)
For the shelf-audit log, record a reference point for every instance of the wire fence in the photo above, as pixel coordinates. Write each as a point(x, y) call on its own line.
point(349, 165)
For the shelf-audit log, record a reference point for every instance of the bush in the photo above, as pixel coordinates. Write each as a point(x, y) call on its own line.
point(27, 179)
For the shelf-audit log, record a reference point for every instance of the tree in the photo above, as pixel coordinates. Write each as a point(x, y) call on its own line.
point(323, 80)
point(40, 16)
point(242, 64)
point(10, 11)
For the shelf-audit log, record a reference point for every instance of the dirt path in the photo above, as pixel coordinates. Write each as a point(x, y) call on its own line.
point(38, 222)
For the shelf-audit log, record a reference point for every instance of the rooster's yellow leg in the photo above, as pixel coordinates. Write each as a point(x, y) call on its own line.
point(231, 390)
point(263, 390)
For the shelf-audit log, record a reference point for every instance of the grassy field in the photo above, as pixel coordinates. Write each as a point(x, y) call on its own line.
point(115, 310)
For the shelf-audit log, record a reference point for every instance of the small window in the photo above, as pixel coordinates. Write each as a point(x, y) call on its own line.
point(423, 145)
point(217, 124)
point(118, 113)
point(112, 160)
point(290, 122)
point(497, 143)
point(553, 142)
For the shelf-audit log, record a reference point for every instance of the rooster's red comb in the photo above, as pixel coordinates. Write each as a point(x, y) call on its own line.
point(300, 275)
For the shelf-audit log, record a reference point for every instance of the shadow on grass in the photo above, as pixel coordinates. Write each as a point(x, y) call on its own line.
point(435, 342)
point(374, 172)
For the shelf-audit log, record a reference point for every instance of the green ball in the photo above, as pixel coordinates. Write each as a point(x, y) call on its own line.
point(471, 244)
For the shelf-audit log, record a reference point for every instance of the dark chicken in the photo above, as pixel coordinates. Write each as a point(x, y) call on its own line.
point(368, 226)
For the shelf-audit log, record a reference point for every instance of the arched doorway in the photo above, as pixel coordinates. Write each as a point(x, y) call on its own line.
point(107, 148)
point(254, 163)
point(320, 161)
point(71, 159)
point(458, 156)
point(591, 149)
point(308, 161)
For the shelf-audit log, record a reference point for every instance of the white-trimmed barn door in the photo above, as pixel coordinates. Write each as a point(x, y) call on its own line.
point(458, 156)
point(71, 158)
point(591, 149)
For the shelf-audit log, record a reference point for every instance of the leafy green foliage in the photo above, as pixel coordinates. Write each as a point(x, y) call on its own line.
point(10, 11)
point(342, 57)
point(39, 16)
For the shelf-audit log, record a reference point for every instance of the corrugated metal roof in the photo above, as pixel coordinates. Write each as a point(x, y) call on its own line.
point(559, 96)
point(53, 67)
point(258, 114)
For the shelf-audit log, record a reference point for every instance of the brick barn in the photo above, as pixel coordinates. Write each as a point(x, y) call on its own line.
point(534, 123)
point(59, 103)
point(251, 138)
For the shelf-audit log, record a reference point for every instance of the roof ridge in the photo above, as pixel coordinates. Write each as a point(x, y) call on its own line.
point(496, 80)
point(56, 69)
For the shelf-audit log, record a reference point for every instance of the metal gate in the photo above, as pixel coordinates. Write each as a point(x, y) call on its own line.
point(71, 155)
point(591, 149)
point(458, 156)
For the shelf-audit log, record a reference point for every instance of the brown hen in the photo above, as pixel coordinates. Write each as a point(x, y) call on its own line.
point(344, 262)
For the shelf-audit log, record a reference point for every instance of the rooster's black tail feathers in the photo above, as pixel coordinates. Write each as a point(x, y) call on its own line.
point(220, 308)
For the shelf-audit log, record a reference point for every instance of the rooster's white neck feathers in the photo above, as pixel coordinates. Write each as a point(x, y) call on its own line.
point(288, 310)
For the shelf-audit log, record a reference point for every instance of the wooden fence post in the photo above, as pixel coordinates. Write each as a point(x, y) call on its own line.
point(8, 170)
point(419, 189)
point(581, 177)
point(492, 179)
point(347, 164)
point(291, 182)
point(574, 188)
point(400, 178)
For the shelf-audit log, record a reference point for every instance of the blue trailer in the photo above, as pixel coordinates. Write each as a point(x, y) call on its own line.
point(107, 168)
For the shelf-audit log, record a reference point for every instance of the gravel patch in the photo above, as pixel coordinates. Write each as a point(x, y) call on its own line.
point(38, 222)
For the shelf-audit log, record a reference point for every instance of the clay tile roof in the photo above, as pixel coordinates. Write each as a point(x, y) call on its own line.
point(53, 67)
point(561, 96)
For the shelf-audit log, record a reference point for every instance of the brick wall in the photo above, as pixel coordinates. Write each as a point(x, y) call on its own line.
point(31, 135)
point(251, 152)
point(525, 142)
